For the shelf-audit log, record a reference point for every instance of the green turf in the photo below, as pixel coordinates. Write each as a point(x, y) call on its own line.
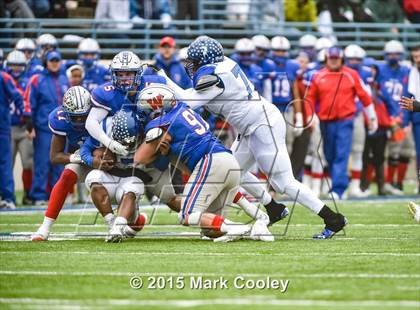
point(376, 265)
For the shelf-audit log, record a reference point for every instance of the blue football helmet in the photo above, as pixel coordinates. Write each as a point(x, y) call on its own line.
point(203, 51)
point(127, 128)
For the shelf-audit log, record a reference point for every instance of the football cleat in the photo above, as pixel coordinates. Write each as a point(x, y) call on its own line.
point(116, 234)
point(236, 232)
point(260, 231)
point(328, 233)
point(40, 235)
point(8, 205)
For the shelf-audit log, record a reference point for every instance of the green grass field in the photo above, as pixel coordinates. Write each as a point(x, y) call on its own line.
point(375, 265)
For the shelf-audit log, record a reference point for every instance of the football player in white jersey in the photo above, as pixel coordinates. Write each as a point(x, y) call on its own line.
point(221, 86)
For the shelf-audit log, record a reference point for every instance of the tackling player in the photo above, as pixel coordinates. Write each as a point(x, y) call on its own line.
point(214, 173)
point(222, 87)
point(67, 125)
point(107, 99)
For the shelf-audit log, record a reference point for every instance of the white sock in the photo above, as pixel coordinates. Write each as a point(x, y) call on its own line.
point(48, 223)
point(109, 219)
point(119, 220)
point(227, 225)
point(254, 187)
point(252, 210)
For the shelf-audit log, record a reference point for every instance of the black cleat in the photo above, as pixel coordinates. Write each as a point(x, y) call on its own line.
point(276, 211)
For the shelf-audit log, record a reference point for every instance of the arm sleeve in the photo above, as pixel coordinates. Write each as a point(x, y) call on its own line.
point(30, 96)
point(191, 96)
point(93, 125)
point(361, 92)
point(13, 93)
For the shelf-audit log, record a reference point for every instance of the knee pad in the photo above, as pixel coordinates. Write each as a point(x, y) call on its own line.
point(130, 185)
point(94, 176)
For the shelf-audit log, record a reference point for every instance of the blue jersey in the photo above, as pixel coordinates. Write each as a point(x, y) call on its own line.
point(112, 99)
point(393, 83)
point(60, 125)
point(16, 112)
point(8, 93)
point(366, 75)
point(94, 76)
point(282, 84)
point(191, 138)
point(34, 66)
point(43, 94)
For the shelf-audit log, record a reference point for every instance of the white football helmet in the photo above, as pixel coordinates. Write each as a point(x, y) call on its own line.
point(126, 61)
point(323, 43)
point(88, 45)
point(76, 105)
point(307, 40)
point(280, 43)
point(354, 51)
point(46, 39)
point(244, 45)
point(155, 99)
point(183, 53)
point(16, 63)
point(261, 41)
point(394, 47)
point(26, 45)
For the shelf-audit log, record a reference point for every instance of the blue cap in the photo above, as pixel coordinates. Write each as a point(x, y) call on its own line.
point(334, 52)
point(53, 55)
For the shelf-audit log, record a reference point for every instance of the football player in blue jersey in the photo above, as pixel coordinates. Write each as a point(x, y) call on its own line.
point(27, 46)
point(285, 73)
point(393, 84)
point(354, 56)
point(307, 44)
point(67, 125)
point(263, 60)
point(245, 58)
point(88, 53)
point(17, 66)
point(176, 130)
point(8, 93)
point(107, 99)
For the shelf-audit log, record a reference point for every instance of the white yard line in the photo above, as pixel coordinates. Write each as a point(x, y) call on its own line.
point(210, 274)
point(343, 254)
point(186, 303)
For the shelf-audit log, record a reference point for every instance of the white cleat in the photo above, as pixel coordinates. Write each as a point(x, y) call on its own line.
point(236, 232)
point(389, 189)
point(414, 210)
point(116, 233)
point(41, 234)
point(260, 231)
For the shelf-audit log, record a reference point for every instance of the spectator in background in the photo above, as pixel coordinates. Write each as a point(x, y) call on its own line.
point(151, 9)
point(19, 9)
point(39, 7)
point(300, 10)
point(114, 10)
point(187, 9)
point(167, 60)
point(385, 11)
point(43, 94)
point(334, 89)
point(412, 10)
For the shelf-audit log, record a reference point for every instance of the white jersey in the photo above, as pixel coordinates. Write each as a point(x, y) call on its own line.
point(237, 101)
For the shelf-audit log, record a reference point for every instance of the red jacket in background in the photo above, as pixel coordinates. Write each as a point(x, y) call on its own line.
point(334, 92)
point(411, 6)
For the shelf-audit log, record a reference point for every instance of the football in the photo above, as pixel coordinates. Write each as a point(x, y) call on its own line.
point(104, 154)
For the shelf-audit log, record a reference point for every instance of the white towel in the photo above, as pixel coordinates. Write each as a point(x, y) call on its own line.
point(414, 83)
